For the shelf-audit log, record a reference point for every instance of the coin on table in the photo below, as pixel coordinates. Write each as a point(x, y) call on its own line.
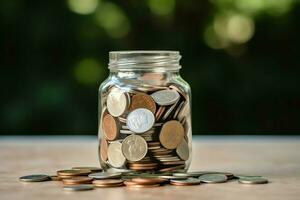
point(134, 148)
point(142, 101)
point(165, 97)
point(78, 187)
point(103, 149)
point(213, 178)
point(140, 120)
point(35, 178)
point(110, 127)
point(73, 172)
point(105, 175)
point(108, 183)
point(171, 134)
point(185, 182)
point(55, 178)
point(92, 169)
point(148, 180)
point(253, 180)
point(182, 150)
point(115, 155)
point(77, 180)
point(117, 102)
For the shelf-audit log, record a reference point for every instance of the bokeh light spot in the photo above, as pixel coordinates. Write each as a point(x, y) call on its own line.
point(110, 17)
point(83, 7)
point(162, 7)
point(88, 71)
point(240, 28)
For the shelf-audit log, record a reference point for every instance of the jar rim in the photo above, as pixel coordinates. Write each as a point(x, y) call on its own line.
point(144, 59)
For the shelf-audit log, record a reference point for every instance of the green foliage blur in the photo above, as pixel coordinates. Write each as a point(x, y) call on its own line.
point(241, 58)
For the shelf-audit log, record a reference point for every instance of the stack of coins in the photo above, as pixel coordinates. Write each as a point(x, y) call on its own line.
point(145, 129)
point(78, 180)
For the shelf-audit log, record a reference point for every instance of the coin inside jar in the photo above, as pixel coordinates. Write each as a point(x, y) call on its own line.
point(115, 155)
point(141, 100)
point(117, 102)
point(182, 150)
point(165, 97)
point(103, 149)
point(110, 127)
point(140, 120)
point(134, 148)
point(171, 134)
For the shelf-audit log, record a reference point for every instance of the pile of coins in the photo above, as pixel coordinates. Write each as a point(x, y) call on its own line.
point(145, 129)
point(88, 178)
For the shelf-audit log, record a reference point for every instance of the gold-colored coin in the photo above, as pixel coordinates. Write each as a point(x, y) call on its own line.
point(142, 101)
point(171, 134)
point(92, 169)
point(110, 127)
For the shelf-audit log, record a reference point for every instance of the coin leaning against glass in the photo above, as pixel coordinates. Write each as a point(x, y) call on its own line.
point(117, 102)
point(115, 155)
point(140, 120)
point(134, 148)
point(165, 97)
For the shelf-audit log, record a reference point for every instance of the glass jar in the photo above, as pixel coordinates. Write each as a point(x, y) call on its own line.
point(145, 113)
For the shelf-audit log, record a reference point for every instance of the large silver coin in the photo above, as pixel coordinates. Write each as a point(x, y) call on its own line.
point(165, 97)
point(140, 120)
point(35, 178)
point(134, 148)
point(78, 187)
point(115, 155)
point(213, 178)
point(182, 150)
point(253, 180)
point(117, 102)
point(105, 175)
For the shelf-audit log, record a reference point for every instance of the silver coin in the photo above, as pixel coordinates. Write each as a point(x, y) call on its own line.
point(188, 180)
point(134, 148)
point(126, 132)
point(213, 178)
point(165, 97)
point(81, 187)
point(117, 102)
point(253, 180)
point(172, 177)
point(35, 178)
point(140, 120)
point(182, 150)
point(182, 174)
point(115, 155)
point(105, 175)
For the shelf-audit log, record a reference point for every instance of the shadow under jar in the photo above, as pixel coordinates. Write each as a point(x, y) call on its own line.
point(144, 113)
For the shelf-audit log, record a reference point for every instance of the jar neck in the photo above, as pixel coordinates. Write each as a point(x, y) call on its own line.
point(133, 61)
point(144, 74)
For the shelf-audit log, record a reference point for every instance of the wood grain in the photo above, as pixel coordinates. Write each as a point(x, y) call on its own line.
point(276, 158)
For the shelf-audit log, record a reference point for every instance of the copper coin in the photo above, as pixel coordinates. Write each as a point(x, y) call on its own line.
point(149, 180)
point(171, 134)
point(173, 162)
point(159, 112)
point(103, 149)
point(168, 169)
point(110, 127)
point(142, 101)
point(73, 172)
point(77, 180)
point(105, 186)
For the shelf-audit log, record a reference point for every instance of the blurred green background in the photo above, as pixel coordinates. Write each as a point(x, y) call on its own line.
point(241, 58)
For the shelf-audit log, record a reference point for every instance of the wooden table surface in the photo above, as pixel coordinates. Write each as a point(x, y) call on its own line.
point(278, 159)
